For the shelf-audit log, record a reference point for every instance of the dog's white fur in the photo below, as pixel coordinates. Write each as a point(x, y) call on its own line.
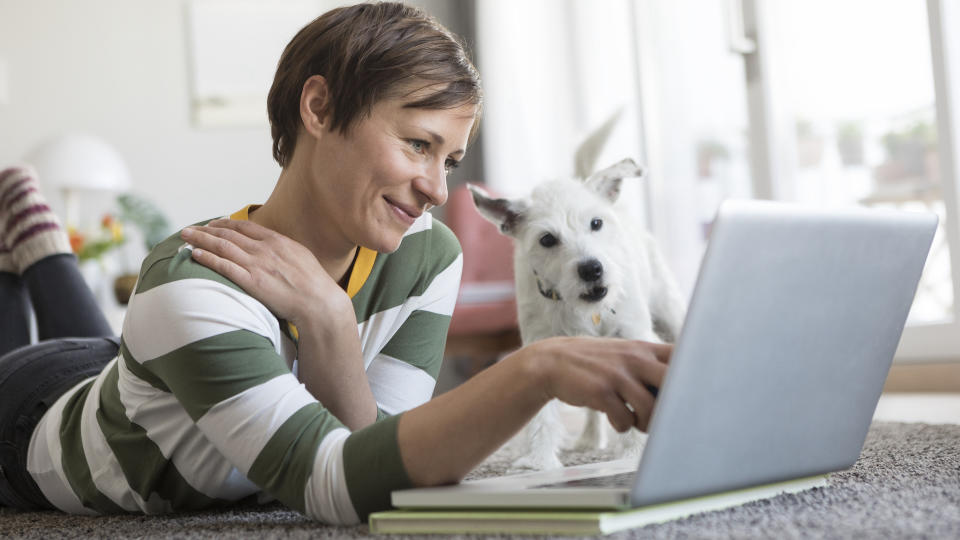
point(559, 291)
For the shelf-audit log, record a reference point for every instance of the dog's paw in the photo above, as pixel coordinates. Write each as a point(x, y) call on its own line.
point(629, 444)
point(584, 444)
point(535, 462)
point(588, 442)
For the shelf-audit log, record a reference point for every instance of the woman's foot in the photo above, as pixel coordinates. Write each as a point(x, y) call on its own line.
point(28, 227)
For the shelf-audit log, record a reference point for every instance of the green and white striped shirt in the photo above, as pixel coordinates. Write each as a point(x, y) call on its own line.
point(200, 409)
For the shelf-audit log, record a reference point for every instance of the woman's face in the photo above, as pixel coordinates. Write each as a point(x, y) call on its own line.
point(390, 167)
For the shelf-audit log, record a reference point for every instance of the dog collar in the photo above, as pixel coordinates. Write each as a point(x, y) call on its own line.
point(551, 293)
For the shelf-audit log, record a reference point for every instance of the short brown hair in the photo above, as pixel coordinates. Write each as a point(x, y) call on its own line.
point(367, 53)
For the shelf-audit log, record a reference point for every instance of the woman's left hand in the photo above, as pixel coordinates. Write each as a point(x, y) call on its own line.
point(276, 270)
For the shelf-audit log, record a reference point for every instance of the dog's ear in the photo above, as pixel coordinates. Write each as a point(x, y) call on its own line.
point(504, 213)
point(607, 182)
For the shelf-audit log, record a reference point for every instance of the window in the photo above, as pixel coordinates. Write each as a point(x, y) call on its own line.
point(822, 102)
point(864, 116)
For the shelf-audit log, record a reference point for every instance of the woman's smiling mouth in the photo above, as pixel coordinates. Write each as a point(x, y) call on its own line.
point(405, 214)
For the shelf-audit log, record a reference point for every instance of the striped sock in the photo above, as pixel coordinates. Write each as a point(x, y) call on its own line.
point(29, 229)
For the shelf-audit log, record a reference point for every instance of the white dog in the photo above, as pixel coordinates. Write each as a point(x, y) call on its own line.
point(583, 269)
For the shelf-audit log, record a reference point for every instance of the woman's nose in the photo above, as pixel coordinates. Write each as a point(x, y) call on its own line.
point(433, 185)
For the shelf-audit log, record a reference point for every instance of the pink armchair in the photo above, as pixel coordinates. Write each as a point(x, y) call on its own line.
point(484, 323)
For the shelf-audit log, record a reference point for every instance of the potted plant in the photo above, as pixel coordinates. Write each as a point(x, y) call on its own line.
point(154, 227)
point(809, 145)
point(850, 143)
point(909, 153)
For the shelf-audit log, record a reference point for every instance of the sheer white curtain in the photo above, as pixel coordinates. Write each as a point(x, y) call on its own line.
point(553, 70)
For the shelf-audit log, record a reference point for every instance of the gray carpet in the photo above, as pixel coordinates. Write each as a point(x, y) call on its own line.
point(905, 485)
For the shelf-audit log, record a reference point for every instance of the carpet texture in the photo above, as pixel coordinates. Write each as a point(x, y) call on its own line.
point(905, 485)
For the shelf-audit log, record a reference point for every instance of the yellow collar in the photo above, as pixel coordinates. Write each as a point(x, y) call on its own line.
point(361, 267)
point(358, 276)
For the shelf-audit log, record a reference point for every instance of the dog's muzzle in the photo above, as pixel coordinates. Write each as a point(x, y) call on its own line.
point(590, 271)
point(595, 294)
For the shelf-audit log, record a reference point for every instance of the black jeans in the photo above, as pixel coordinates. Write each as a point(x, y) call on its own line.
point(76, 342)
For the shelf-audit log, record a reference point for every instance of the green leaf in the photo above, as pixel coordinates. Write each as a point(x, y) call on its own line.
point(146, 216)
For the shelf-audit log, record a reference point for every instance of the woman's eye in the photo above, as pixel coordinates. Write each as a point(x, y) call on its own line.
point(451, 164)
point(548, 240)
point(418, 145)
point(596, 224)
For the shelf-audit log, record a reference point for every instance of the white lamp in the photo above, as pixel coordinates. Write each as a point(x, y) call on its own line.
point(79, 162)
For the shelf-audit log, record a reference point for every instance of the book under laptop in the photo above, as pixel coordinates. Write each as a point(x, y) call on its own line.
point(787, 342)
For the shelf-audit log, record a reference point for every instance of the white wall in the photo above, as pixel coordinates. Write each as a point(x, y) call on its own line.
point(119, 69)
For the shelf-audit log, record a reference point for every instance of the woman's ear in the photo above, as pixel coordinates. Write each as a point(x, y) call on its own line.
point(315, 105)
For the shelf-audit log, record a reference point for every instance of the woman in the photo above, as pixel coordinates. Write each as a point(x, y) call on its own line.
point(241, 371)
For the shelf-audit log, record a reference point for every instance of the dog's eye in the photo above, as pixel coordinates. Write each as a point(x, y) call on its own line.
point(548, 240)
point(596, 224)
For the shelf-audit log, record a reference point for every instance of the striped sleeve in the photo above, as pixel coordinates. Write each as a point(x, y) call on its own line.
point(201, 409)
point(217, 350)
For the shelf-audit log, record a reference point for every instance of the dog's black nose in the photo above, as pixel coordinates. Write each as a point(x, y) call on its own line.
point(590, 270)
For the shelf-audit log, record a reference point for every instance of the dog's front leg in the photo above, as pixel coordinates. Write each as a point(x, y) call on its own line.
point(593, 435)
point(540, 440)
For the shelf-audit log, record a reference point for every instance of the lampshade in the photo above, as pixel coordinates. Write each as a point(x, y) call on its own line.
point(80, 161)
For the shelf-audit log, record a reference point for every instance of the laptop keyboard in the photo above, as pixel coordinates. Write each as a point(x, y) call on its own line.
point(622, 480)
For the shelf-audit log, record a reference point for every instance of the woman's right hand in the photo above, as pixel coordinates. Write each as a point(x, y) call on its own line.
point(445, 438)
point(605, 374)
point(276, 270)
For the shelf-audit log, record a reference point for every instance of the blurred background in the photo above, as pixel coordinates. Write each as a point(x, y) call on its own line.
point(827, 102)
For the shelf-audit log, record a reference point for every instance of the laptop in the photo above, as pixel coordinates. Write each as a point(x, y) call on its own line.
point(787, 342)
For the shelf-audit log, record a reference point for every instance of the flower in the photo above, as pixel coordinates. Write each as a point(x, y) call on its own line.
point(108, 237)
point(76, 240)
point(116, 232)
